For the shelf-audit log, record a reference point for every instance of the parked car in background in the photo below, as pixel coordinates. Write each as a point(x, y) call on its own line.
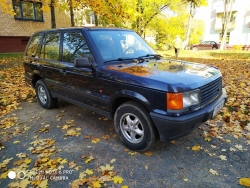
point(206, 45)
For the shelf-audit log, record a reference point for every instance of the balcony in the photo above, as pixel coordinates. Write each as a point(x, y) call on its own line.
point(218, 26)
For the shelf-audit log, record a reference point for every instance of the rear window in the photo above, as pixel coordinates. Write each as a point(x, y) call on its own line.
point(34, 44)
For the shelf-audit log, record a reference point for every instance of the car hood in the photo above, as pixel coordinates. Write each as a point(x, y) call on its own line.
point(166, 75)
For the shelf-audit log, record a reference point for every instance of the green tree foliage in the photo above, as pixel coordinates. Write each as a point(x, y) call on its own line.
point(147, 10)
point(197, 32)
point(174, 25)
point(135, 14)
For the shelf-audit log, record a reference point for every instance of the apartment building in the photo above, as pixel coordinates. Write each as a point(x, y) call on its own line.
point(239, 25)
point(15, 31)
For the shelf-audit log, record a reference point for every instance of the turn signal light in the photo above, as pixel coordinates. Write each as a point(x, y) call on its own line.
point(174, 101)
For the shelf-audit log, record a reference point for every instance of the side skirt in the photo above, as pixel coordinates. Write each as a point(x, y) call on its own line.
point(97, 110)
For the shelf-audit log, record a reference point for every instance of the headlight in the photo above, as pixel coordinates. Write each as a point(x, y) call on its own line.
point(180, 101)
point(191, 98)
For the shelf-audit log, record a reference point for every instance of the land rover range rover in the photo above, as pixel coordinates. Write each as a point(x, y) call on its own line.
point(115, 73)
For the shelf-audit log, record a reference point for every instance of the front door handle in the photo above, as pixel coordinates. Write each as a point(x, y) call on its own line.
point(64, 72)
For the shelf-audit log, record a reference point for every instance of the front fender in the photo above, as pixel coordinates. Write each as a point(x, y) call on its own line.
point(126, 95)
point(135, 95)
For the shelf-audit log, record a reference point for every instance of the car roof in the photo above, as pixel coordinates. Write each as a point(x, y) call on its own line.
point(85, 28)
point(208, 41)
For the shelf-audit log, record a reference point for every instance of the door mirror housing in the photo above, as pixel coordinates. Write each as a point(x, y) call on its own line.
point(82, 62)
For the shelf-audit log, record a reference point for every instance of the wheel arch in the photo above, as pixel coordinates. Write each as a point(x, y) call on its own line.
point(127, 95)
point(35, 78)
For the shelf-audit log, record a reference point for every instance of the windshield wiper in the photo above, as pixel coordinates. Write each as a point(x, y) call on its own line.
point(118, 59)
point(142, 58)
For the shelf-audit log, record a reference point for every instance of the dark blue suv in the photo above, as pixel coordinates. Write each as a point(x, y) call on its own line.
point(115, 73)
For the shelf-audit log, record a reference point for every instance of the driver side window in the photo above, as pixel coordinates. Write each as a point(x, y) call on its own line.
point(74, 45)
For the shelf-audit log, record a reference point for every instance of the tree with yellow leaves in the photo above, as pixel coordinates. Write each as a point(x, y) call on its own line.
point(7, 7)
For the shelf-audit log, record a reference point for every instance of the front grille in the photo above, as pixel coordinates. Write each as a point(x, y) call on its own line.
point(211, 91)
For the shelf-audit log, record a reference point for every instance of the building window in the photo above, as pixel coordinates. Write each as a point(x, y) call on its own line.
point(28, 10)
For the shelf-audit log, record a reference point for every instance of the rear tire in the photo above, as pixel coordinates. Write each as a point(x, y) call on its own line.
point(195, 48)
point(44, 96)
point(134, 126)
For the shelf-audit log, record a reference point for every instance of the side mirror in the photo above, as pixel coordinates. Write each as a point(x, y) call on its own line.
point(82, 62)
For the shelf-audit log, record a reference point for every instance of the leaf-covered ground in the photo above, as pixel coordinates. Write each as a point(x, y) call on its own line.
point(70, 146)
point(14, 89)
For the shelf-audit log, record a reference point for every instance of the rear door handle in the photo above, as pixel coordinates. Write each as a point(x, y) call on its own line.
point(33, 60)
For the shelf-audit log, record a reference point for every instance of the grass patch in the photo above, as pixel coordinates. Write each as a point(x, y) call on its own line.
point(8, 57)
point(231, 54)
point(11, 55)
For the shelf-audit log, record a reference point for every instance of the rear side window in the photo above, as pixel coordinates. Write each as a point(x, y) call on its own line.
point(74, 45)
point(50, 46)
point(33, 48)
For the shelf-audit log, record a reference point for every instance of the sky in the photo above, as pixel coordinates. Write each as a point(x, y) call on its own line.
point(201, 13)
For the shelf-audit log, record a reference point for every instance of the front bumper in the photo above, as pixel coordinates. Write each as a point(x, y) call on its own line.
point(170, 128)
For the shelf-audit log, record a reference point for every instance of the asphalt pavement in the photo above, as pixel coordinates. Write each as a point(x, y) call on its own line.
point(76, 134)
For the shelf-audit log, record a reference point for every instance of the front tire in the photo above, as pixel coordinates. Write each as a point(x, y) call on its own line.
point(134, 126)
point(44, 96)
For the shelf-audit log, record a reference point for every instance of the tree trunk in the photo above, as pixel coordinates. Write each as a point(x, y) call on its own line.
point(96, 19)
point(53, 17)
point(190, 20)
point(72, 19)
point(227, 17)
point(138, 10)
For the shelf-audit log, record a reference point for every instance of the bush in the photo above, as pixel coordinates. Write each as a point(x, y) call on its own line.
point(237, 47)
point(152, 45)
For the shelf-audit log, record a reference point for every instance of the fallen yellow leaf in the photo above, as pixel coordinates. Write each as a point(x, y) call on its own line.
point(82, 175)
point(97, 184)
point(44, 183)
point(223, 157)
point(148, 153)
point(4, 175)
point(117, 180)
point(213, 172)
point(95, 140)
point(245, 182)
point(132, 153)
point(239, 147)
point(88, 160)
point(89, 172)
point(27, 161)
point(77, 168)
point(107, 167)
point(196, 148)
point(16, 142)
point(208, 139)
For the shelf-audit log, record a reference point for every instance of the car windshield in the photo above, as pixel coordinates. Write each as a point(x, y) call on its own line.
point(119, 44)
